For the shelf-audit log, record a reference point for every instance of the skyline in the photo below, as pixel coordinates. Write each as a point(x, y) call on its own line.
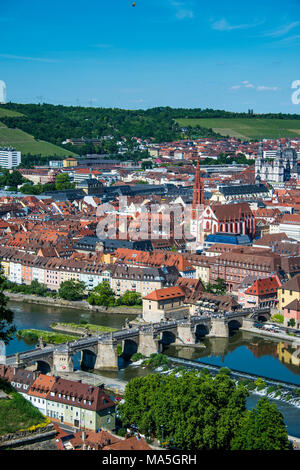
point(160, 53)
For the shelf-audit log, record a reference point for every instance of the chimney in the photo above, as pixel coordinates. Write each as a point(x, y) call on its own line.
point(83, 436)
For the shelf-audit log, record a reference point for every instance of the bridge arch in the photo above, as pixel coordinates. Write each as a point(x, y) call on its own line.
point(167, 337)
point(263, 317)
point(88, 359)
point(201, 330)
point(234, 324)
point(129, 347)
point(43, 366)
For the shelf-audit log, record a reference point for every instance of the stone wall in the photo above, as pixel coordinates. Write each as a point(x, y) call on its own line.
point(82, 305)
point(28, 438)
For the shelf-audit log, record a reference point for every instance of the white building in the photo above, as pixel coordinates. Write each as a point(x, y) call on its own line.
point(9, 158)
point(2, 92)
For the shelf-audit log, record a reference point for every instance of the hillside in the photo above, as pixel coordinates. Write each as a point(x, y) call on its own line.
point(26, 143)
point(16, 413)
point(41, 128)
point(243, 128)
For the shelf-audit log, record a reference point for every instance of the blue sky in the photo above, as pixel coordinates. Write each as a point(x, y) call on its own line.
point(232, 55)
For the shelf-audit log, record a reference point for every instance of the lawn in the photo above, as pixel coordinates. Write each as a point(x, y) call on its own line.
point(32, 336)
point(16, 413)
point(8, 113)
point(248, 128)
point(90, 326)
point(26, 143)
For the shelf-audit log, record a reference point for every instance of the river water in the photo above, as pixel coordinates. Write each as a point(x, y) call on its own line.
point(242, 351)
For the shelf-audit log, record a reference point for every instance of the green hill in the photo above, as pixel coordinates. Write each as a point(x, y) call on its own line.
point(8, 113)
point(17, 413)
point(37, 128)
point(26, 143)
point(243, 128)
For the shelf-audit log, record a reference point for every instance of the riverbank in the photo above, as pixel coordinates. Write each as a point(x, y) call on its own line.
point(81, 305)
point(81, 329)
point(295, 340)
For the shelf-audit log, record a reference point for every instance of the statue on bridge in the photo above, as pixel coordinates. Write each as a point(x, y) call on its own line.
point(127, 323)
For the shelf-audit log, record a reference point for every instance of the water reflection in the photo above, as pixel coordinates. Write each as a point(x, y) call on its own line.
point(242, 351)
point(248, 353)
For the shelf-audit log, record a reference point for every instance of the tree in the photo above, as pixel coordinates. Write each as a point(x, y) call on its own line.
point(220, 286)
point(263, 428)
point(131, 298)
point(63, 182)
point(146, 164)
point(292, 322)
point(7, 327)
point(102, 295)
point(192, 411)
point(72, 290)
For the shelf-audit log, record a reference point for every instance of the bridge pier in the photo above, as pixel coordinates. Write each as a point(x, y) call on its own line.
point(219, 328)
point(247, 323)
point(185, 334)
point(107, 356)
point(63, 361)
point(148, 344)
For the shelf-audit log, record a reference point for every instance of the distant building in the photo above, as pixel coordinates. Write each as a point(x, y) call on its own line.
point(230, 238)
point(9, 157)
point(278, 170)
point(2, 92)
point(91, 186)
point(70, 161)
point(56, 164)
point(239, 192)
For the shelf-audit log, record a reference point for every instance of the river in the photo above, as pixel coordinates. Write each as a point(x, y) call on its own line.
point(242, 351)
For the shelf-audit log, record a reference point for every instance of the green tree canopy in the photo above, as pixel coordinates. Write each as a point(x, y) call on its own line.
point(192, 411)
point(63, 182)
point(130, 298)
point(102, 295)
point(72, 290)
point(262, 428)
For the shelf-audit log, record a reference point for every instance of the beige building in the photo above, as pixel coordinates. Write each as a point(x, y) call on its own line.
point(164, 303)
point(142, 279)
point(288, 292)
point(69, 162)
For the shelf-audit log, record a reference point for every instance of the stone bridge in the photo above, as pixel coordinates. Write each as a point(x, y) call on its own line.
point(101, 352)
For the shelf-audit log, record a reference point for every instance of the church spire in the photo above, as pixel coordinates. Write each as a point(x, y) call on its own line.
point(198, 189)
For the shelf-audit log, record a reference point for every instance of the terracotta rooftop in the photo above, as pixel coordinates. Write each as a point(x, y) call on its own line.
point(167, 293)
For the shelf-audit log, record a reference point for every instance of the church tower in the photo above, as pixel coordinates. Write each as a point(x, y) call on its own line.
point(198, 192)
point(197, 207)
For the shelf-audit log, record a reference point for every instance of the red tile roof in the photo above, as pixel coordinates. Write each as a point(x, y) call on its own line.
point(167, 293)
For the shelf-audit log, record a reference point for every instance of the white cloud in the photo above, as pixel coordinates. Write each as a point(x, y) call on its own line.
point(35, 59)
point(282, 30)
point(247, 84)
point(183, 10)
point(288, 40)
point(182, 14)
point(223, 25)
point(267, 88)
